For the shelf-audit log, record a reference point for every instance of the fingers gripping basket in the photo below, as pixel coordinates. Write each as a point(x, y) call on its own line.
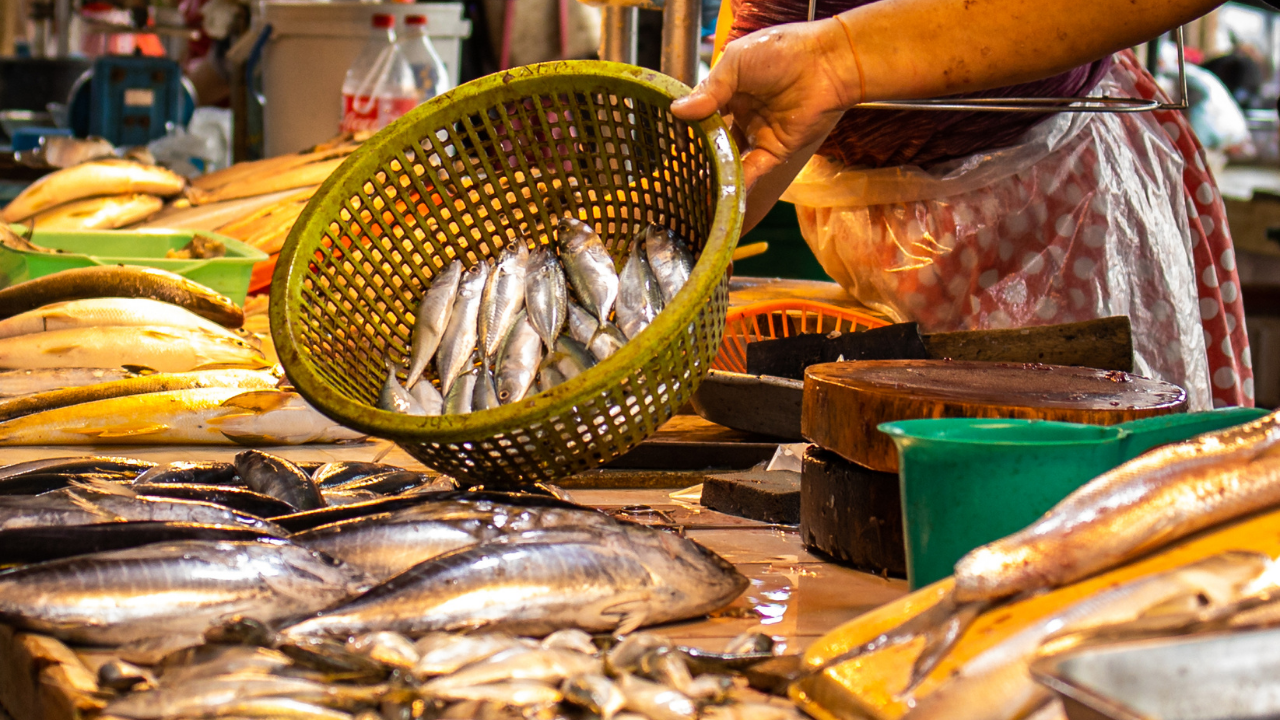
point(500, 158)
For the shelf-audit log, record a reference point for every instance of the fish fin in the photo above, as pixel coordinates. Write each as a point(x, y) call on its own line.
point(160, 334)
point(260, 400)
point(140, 369)
point(246, 364)
point(61, 349)
point(103, 487)
point(252, 440)
point(92, 508)
point(631, 611)
point(123, 430)
point(910, 629)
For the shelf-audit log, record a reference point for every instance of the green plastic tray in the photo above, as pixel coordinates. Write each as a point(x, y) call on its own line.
point(228, 275)
point(966, 482)
point(496, 159)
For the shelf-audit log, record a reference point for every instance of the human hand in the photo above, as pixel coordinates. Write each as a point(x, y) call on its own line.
point(784, 87)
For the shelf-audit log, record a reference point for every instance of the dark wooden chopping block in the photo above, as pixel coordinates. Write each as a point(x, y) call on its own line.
point(852, 514)
point(845, 402)
point(771, 496)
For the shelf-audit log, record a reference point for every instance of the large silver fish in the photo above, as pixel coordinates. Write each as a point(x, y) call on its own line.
point(997, 685)
point(534, 583)
point(590, 269)
point(278, 478)
point(545, 295)
point(432, 319)
point(519, 362)
point(639, 296)
point(387, 544)
point(670, 259)
point(460, 335)
point(1146, 503)
point(118, 597)
point(89, 507)
point(503, 299)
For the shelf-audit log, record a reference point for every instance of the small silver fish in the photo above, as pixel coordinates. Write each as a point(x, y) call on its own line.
point(458, 401)
point(432, 319)
point(486, 393)
point(582, 325)
point(655, 701)
point(511, 693)
point(443, 653)
point(639, 296)
point(606, 341)
point(542, 664)
point(519, 362)
point(428, 397)
point(571, 639)
point(596, 693)
point(502, 300)
point(546, 296)
point(590, 268)
point(388, 648)
point(670, 259)
point(570, 359)
point(394, 398)
point(549, 377)
point(461, 334)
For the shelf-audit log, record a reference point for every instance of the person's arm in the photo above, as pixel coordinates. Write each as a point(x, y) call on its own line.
point(785, 87)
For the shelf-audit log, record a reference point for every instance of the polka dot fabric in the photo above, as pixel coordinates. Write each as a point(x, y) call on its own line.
point(1218, 284)
point(1086, 230)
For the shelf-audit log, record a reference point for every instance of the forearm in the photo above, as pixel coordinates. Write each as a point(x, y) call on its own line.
point(908, 49)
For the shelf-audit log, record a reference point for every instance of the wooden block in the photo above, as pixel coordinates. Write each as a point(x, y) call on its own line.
point(760, 495)
point(845, 402)
point(852, 514)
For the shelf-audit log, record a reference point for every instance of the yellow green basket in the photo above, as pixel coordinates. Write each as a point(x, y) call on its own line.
point(498, 158)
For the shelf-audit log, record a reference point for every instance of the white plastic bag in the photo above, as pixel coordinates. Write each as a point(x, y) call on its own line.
point(1086, 218)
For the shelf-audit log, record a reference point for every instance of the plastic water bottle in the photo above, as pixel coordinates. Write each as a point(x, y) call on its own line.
point(380, 85)
point(429, 70)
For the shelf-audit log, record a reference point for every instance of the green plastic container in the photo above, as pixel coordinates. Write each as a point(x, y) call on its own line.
point(228, 275)
point(966, 482)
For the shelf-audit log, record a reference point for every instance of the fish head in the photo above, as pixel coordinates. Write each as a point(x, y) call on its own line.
point(695, 568)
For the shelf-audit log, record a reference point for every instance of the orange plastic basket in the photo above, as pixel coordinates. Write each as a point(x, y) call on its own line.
point(783, 318)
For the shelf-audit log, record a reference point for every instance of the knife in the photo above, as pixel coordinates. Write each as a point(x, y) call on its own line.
point(1105, 343)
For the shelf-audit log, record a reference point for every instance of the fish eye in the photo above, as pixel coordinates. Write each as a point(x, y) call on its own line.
point(503, 394)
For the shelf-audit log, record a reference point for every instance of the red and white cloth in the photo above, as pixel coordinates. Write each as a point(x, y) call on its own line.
point(1089, 216)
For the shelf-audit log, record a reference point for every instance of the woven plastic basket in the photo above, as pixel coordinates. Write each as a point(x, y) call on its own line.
point(783, 318)
point(499, 158)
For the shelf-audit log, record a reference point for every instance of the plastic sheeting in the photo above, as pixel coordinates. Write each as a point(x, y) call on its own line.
point(1084, 218)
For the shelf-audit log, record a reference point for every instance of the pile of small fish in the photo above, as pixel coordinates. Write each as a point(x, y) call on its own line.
point(101, 194)
point(133, 355)
point(498, 333)
point(355, 586)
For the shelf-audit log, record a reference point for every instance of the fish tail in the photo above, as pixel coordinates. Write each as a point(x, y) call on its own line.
point(940, 638)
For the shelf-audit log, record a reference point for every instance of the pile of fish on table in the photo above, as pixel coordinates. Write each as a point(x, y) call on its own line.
point(499, 334)
point(421, 600)
point(135, 355)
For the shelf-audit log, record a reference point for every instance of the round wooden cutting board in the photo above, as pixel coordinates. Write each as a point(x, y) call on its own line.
point(844, 402)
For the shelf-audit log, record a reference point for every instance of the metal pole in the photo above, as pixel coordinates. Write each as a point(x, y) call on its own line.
point(681, 23)
point(618, 34)
point(62, 18)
